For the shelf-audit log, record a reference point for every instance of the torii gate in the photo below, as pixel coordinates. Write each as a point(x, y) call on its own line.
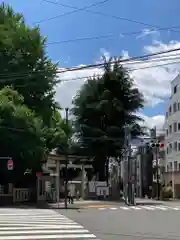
point(56, 162)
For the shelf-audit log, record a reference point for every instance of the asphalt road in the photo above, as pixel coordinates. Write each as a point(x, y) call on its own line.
point(128, 225)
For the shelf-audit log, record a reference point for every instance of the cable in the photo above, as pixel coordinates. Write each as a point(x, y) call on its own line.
point(106, 15)
point(104, 36)
point(130, 70)
point(87, 77)
point(119, 61)
point(74, 11)
point(126, 61)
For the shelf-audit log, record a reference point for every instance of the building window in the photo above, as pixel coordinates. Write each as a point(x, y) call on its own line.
point(175, 166)
point(175, 146)
point(166, 132)
point(166, 114)
point(170, 147)
point(179, 146)
point(178, 106)
point(175, 89)
point(170, 129)
point(178, 126)
point(175, 126)
point(170, 110)
point(170, 166)
point(174, 107)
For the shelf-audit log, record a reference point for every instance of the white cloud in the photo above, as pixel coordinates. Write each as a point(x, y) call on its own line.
point(155, 121)
point(154, 83)
point(147, 32)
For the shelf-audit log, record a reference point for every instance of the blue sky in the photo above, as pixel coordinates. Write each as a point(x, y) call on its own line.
point(161, 13)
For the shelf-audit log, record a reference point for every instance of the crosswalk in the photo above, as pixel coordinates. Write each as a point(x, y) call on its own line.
point(142, 207)
point(21, 224)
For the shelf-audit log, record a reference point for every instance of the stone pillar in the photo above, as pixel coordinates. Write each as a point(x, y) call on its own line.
point(57, 180)
point(82, 181)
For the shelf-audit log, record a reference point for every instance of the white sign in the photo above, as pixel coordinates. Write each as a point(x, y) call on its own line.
point(102, 191)
point(94, 184)
point(10, 165)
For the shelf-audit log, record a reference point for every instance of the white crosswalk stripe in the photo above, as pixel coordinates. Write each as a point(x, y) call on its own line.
point(144, 207)
point(21, 224)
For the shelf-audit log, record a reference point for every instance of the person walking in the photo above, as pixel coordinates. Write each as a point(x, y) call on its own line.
point(70, 197)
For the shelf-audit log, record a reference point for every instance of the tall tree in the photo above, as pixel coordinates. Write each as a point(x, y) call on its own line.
point(24, 63)
point(22, 134)
point(102, 108)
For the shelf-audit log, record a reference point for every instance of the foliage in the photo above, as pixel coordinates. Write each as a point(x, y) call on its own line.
point(31, 124)
point(167, 192)
point(102, 108)
point(24, 63)
point(21, 131)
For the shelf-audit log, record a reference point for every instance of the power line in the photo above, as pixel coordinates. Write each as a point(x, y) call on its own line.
point(91, 38)
point(87, 77)
point(119, 61)
point(71, 12)
point(106, 15)
point(129, 70)
point(145, 59)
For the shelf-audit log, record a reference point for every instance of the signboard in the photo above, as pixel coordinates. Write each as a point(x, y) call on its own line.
point(38, 174)
point(102, 191)
point(10, 164)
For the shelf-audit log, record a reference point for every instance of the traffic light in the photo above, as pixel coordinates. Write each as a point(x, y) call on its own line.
point(156, 144)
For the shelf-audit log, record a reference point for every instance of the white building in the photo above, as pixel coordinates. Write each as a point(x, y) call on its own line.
point(172, 127)
point(172, 137)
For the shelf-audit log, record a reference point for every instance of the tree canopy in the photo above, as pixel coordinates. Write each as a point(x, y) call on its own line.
point(102, 108)
point(30, 122)
point(24, 63)
point(22, 132)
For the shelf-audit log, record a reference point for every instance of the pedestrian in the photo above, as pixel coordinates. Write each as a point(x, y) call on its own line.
point(70, 197)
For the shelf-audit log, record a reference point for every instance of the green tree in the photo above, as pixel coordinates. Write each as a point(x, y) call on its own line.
point(102, 108)
point(24, 63)
point(22, 134)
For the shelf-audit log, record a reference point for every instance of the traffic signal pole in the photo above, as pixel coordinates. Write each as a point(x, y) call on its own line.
point(157, 170)
point(66, 163)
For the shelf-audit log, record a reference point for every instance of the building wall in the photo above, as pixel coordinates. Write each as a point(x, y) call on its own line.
point(172, 129)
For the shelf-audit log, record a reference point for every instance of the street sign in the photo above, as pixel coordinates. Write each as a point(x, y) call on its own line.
point(38, 174)
point(10, 165)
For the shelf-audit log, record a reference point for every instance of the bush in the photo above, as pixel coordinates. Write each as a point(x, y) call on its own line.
point(167, 193)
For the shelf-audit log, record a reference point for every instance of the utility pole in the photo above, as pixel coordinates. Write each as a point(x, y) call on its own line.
point(66, 161)
point(125, 166)
point(128, 191)
point(156, 153)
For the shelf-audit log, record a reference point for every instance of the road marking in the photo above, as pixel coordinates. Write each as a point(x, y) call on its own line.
point(64, 236)
point(54, 226)
point(113, 208)
point(148, 208)
point(136, 208)
point(125, 208)
point(99, 206)
point(161, 208)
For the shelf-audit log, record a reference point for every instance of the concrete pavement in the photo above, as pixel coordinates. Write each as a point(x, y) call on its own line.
point(129, 225)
